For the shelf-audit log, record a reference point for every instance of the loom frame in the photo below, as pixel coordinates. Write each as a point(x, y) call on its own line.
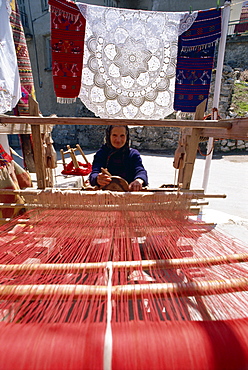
point(234, 128)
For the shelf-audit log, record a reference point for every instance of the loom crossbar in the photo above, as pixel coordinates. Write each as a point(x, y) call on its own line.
point(144, 264)
point(138, 290)
point(195, 194)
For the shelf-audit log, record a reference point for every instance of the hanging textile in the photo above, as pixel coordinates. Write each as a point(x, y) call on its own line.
point(195, 60)
point(10, 89)
point(23, 61)
point(26, 78)
point(129, 61)
point(242, 26)
point(67, 42)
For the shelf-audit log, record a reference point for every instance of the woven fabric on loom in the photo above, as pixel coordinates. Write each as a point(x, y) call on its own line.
point(67, 42)
point(23, 61)
point(195, 60)
point(131, 263)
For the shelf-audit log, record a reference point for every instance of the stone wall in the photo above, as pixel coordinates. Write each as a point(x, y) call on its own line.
point(231, 145)
point(236, 53)
point(143, 138)
point(153, 139)
point(227, 84)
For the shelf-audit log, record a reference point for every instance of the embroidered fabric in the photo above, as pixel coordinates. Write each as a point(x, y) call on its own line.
point(8, 6)
point(130, 61)
point(195, 60)
point(67, 43)
point(204, 31)
point(10, 89)
point(23, 61)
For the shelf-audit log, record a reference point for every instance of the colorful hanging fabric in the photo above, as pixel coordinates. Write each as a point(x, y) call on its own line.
point(195, 60)
point(23, 61)
point(10, 88)
point(130, 61)
point(67, 42)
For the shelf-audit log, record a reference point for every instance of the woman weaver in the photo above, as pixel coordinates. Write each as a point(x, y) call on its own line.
point(119, 159)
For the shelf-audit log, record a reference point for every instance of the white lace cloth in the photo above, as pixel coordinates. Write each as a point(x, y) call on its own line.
point(130, 61)
point(10, 87)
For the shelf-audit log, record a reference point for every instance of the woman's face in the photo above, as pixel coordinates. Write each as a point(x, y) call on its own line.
point(118, 137)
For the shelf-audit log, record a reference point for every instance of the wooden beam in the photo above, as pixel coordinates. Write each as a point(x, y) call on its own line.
point(195, 193)
point(232, 128)
point(27, 151)
point(239, 131)
point(15, 129)
point(38, 147)
point(4, 119)
point(200, 110)
point(20, 128)
point(192, 143)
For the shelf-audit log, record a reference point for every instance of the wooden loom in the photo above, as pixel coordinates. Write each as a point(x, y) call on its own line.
point(134, 284)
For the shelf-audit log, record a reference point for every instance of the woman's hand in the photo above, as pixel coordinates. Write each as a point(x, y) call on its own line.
point(136, 185)
point(103, 179)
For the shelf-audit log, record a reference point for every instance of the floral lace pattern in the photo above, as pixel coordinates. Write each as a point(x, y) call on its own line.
point(130, 61)
point(5, 98)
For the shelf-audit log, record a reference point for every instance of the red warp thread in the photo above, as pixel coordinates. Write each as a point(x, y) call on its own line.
point(136, 345)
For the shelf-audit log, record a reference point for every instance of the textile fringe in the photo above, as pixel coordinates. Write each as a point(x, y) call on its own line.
point(66, 100)
point(64, 13)
point(111, 201)
point(199, 47)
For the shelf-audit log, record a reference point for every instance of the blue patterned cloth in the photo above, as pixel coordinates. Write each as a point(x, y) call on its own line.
point(195, 60)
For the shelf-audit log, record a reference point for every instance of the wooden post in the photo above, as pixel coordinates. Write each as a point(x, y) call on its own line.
point(38, 147)
point(192, 138)
point(27, 151)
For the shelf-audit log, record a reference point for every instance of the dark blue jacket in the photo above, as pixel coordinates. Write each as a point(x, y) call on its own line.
point(124, 163)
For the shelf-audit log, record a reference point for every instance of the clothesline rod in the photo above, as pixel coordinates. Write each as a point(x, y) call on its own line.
point(143, 264)
point(221, 54)
point(33, 120)
point(217, 85)
point(204, 288)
